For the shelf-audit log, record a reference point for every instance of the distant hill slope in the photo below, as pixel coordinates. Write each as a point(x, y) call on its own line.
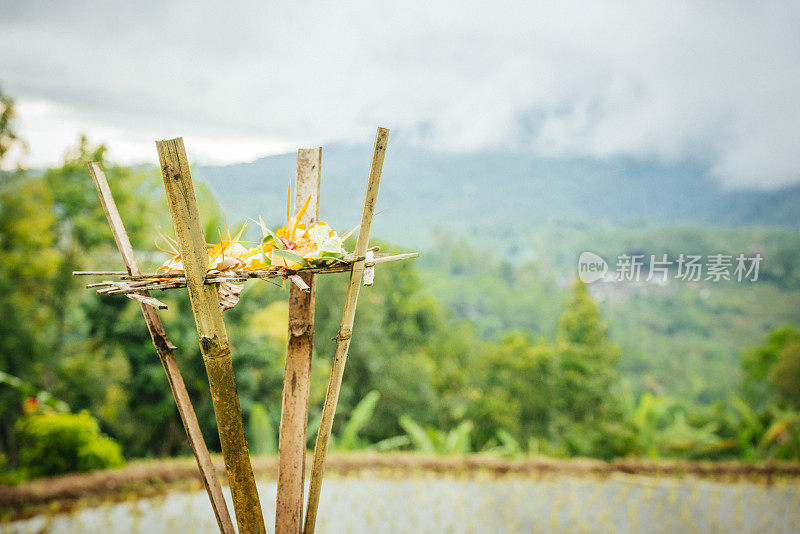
point(529, 218)
point(421, 190)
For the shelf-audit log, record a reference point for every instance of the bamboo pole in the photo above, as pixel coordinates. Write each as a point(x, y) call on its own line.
point(213, 336)
point(165, 350)
point(345, 331)
point(297, 376)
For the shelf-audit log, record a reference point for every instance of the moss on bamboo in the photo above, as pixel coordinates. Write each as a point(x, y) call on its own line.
point(212, 333)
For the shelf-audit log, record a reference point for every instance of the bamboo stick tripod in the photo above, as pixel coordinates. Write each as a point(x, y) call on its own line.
point(203, 293)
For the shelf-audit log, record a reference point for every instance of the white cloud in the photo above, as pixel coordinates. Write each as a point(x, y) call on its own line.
point(50, 129)
point(712, 82)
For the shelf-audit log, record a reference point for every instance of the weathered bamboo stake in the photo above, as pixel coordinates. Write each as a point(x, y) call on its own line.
point(297, 376)
point(213, 336)
point(345, 331)
point(369, 268)
point(165, 349)
point(301, 284)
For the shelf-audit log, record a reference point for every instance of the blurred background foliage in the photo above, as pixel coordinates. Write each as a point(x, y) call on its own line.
point(461, 351)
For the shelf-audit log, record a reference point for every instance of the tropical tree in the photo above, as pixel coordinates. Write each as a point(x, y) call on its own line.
point(771, 372)
point(585, 380)
point(8, 134)
point(512, 389)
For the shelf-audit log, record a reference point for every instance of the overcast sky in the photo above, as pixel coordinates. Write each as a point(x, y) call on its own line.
point(712, 82)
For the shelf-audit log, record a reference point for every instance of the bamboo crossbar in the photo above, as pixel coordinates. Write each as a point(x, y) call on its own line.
point(155, 281)
point(273, 272)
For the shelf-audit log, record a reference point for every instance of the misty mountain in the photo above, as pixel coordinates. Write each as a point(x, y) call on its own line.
point(422, 190)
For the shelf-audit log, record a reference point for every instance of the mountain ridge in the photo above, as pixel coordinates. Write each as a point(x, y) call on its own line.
point(422, 190)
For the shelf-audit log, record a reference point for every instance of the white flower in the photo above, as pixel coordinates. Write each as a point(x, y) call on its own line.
point(319, 233)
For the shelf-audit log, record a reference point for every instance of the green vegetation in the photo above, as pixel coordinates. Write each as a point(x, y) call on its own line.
point(683, 338)
point(473, 348)
point(53, 444)
point(262, 438)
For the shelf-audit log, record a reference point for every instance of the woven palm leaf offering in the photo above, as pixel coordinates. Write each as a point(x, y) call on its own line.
point(294, 246)
point(291, 249)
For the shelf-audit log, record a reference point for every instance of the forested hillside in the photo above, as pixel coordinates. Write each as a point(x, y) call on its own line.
point(470, 193)
point(501, 247)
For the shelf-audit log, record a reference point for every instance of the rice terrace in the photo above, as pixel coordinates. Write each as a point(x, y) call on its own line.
point(561, 295)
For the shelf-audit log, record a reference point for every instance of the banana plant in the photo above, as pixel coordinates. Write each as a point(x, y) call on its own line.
point(508, 447)
point(430, 440)
point(748, 429)
point(782, 438)
point(349, 440)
